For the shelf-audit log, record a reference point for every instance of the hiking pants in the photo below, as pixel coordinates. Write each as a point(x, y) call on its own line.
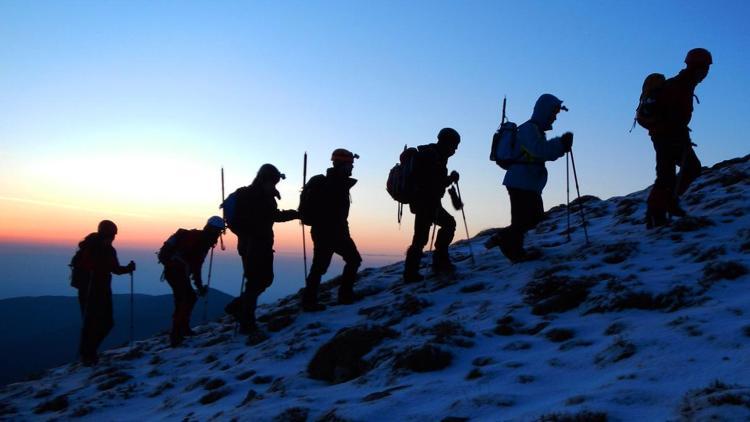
point(96, 311)
point(184, 297)
point(257, 264)
point(526, 211)
point(671, 152)
point(326, 244)
point(424, 217)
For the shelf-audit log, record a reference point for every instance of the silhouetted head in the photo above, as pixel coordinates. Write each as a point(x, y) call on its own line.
point(343, 161)
point(448, 140)
point(546, 109)
point(214, 226)
point(107, 229)
point(268, 174)
point(698, 61)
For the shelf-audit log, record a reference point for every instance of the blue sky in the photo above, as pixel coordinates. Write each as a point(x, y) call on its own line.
point(154, 97)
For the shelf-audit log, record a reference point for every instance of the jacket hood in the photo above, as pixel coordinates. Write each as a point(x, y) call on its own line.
point(543, 109)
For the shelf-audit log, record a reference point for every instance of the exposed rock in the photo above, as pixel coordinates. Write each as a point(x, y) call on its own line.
point(340, 359)
point(425, 358)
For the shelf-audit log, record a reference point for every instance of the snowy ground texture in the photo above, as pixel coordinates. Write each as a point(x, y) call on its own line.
point(639, 325)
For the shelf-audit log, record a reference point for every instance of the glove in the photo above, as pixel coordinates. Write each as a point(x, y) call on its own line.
point(567, 141)
point(453, 177)
point(202, 290)
point(131, 266)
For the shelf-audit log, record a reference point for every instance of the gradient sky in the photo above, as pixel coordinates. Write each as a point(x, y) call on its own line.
point(127, 109)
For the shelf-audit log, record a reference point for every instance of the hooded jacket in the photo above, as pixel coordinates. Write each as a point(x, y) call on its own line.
point(96, 261)
point(533, 148)
point(431, 177)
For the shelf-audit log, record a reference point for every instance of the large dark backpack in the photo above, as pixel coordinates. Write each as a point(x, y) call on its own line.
point(79, 276)
point(229, 207)
point(310, 201)
point(400, 184)
point(171, 246)
point(503, 151)
point(647, 114)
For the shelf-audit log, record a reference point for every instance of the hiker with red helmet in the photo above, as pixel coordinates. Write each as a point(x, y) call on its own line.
point(670, 136)
point(256, 212)
point(324, 205)
point(431, 179)
point(182, 256)
point(93, 266)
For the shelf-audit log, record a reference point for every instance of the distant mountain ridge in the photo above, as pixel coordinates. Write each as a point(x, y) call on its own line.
point(46, 329)
point(637, 325)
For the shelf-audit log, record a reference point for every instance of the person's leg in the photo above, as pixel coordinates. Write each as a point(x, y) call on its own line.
point(440, 258)
point(352, 260)
point(690, 169)
point(423, 219)
point(661, 193)
point(322, 254)
point(259, 278)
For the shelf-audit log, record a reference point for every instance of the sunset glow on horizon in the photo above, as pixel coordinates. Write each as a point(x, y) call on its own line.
point(109, 110)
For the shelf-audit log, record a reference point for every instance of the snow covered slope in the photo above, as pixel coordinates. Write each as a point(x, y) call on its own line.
point(647, 325)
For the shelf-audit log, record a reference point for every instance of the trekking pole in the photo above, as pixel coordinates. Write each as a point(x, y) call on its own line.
point(224, 230)
point(567, 190)
point(131, 310)
point(304, 241)
point(242, 303)
point(580, 203)
point(208, 286)
point(466, 226)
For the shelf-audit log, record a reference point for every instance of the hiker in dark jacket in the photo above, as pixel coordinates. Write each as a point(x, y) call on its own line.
point(431, 178)
point(182, 256)
point(330, 198)
point(671, 138)
point(526, 178)
point(96, 261)
point(256, 212)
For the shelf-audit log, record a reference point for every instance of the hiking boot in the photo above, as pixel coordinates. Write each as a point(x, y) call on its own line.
point(656, 219)
point(175, 340)
point(675, 210)
point(441, 262)
point(247, 328)
point(89, 361)
point(528, 255)
point(189, 332)
point(346, 296)
point(413, 277)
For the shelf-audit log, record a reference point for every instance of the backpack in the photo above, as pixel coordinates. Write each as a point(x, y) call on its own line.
point(309, 208)
point(400, 183)
point(647, 113)
point(503, 151)
point(229, 207)
point(170, 247)
point(78, 276)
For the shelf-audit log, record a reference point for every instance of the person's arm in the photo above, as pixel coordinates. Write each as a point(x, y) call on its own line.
point(119, 269)
point(285, 215)
point(534, 147)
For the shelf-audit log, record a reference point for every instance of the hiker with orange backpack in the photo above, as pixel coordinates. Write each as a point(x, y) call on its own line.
point(182, 255)
point(667, 126)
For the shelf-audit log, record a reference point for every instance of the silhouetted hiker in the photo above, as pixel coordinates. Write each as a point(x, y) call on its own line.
point(256, 211)
point(93, 266)
point(671, 138)
point(324, 205)
point(430, 178)
point(527, 176)
point(182, 256)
